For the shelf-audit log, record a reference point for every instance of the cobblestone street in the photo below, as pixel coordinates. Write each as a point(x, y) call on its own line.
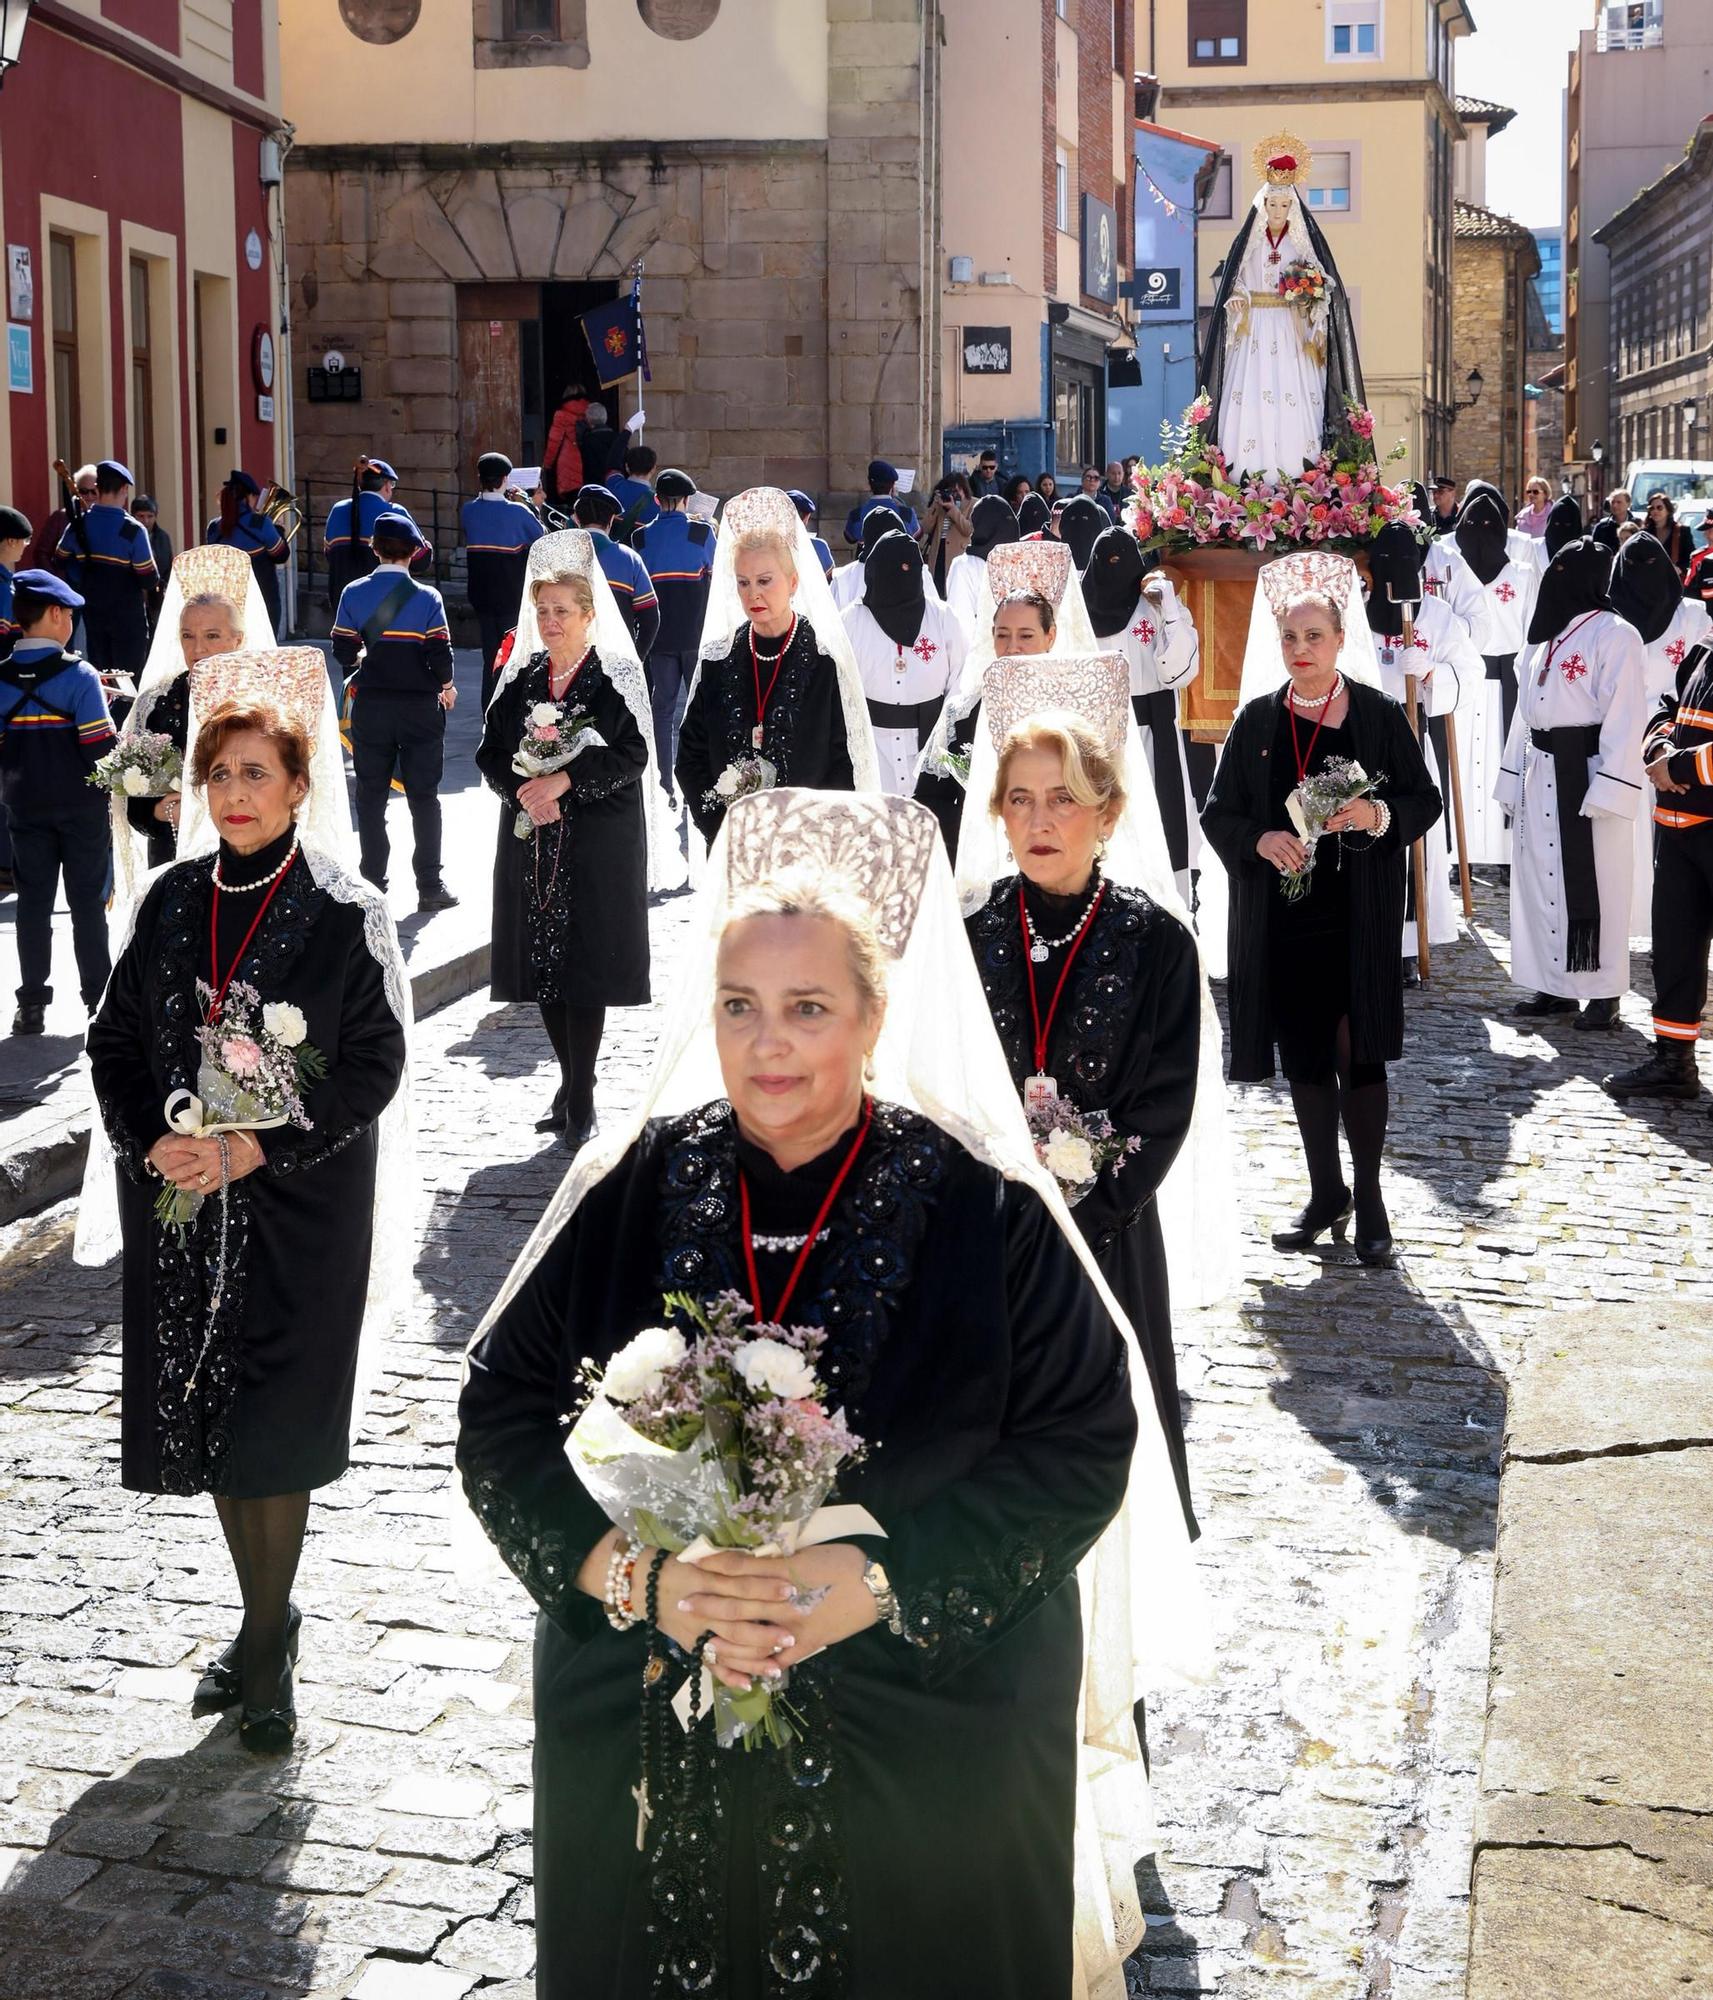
point(1315, 1800)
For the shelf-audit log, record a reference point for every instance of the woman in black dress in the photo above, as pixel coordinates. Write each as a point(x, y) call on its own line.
point(1096, 993)
point(570, 927)
point(918, 1839)
point(242, 1387)
point(208, 624)
point(773, 692)
point(1321, 978)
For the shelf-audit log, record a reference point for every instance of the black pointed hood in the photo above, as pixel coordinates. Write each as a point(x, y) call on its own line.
point(1112, 583)
point(1034, 517)
point(992, 522)
point(893, 588)
point(1576, 582)
point(1395, 561)
point(876, 522)
point(1081, 525)
point(1646, 588)
point(1563, 524)
point(1483, 533)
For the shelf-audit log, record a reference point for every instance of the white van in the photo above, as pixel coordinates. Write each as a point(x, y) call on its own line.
point(1682, 481)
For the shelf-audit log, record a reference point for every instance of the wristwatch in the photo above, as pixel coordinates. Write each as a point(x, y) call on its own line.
point(885, 1598)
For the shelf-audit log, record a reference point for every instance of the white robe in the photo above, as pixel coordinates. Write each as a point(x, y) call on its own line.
point(1690, 624)
point(846, 584)
point(965, 576)
point(1449, 672)
point(1274, 396)
point(1594, 677)
point(1164, 654)
point(904, 676)
point(1448, 577)
point(1508, 603)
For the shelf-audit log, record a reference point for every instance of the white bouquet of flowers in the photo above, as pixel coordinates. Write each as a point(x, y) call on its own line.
point(554, 732)
point(147, 765)
point(1339, 782)
point(741, 776)
point(1076, 1147)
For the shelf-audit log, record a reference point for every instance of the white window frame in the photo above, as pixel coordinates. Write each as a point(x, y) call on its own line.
point(1319, 210)
point(1356, 14)
point(1063, 9)
point(1062, 190)
point(1226, 171)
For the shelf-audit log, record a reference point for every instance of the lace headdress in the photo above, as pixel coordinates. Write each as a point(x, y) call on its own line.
point(1095, 687)
point(1282, 583)
point(938, 1053)
point(294, 678)
point(572, 551)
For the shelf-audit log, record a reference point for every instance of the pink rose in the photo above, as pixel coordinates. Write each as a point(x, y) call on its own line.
point(240, 1055)
point(1142, 524)
point(547, 732)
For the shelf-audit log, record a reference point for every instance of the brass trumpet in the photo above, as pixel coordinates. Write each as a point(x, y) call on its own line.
point(279, 505)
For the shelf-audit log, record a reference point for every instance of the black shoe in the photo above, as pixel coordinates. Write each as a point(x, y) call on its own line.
point(1668, 1072)
point(270, 1732)
point(222, 1682)
point(1412, 971)
point(1313, 1220)
point(1598, 1015)
point(1373, 1233)
point(437, 898)
point(554, 1121)
point(579, 1134)
point(30, 1019)
point(1541, 1004)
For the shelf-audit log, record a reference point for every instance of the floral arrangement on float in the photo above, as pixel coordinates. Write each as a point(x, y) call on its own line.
point(1339, 500)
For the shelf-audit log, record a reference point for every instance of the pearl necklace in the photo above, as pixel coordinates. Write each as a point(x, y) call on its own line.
point(571, 674)
point(1040, 946)
point(261, 881)
point(784, 1242)
point(1308, 707)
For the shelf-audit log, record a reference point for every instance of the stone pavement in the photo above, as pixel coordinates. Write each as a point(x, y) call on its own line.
point(1316, 1801)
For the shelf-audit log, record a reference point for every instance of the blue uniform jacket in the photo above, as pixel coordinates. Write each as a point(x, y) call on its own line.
point(411, 653)
point(497, 536)
point(8, 624)
point(634, 493)
point(54, 726)
point(860, 513)
point(633, 588)
point(255, 534)
point(119, 553)
point(679, 555)
point(370, 508)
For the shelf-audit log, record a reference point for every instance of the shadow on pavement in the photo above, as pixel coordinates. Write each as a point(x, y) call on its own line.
point(1168, 1959)
point(1404, 1394)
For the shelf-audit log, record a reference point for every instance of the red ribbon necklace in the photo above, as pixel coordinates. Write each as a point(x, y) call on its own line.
point(815, 1227)
point(1297, 750)
point(220, 985)
point(1044, 1034)
point(761, 700)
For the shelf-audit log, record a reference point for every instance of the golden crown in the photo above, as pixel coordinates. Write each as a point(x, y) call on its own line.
point(1095, 686)
point(879, 848)
point(1282, 160)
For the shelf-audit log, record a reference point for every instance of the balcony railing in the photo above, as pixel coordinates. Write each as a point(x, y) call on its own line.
point(1633, 24)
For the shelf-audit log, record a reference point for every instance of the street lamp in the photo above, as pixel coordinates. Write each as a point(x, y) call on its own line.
point(13, 15)
point(1474, 382)
point(1597, 451)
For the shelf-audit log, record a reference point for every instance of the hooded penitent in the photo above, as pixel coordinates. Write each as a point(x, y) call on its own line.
point(1395, 560)
point(991, 523)
point(893, 588)
point(1576, 582)
point(1081, 525)
point(876, 522)
point(1563, 524)
point(1646, 589)
point(1034, 517)
point(1482, 532)
point(1112, 582)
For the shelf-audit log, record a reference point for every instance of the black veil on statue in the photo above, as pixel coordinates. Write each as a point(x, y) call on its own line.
point(1343, 368)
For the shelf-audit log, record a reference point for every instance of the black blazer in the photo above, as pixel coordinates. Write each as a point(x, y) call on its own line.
point(1239, 811)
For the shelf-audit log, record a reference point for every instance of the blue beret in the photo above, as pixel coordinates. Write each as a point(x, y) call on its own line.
point(110, 469)
point(379, 465)
point(43, 583)
point(801, 501)
point(244, 483)
point(879, 469)
point(402, 526)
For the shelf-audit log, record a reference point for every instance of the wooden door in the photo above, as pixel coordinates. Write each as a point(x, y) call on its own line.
point(490, 371)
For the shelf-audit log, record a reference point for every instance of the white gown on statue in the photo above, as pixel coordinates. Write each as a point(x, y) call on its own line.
point(1594, 680)
point(1274, 397)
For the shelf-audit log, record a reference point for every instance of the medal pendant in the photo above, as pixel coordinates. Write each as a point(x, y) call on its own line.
point(1038, 952)
point(1387, 655)
point(1039, 1090)
point(755, 737)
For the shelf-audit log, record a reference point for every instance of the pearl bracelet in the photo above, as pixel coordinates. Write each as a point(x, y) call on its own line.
point(621, 1578)
point(1385, 819)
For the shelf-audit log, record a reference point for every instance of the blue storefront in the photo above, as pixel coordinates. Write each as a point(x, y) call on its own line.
point(1162, 289)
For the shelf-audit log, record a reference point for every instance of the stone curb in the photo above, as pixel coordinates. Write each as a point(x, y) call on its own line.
point(48, 1165)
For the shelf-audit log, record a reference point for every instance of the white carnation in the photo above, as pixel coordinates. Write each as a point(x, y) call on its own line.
point(1070, 1158)
point(638, 1366)
point(284, 1022)
point(775, 1367)
point(136, 782)
point(543, 713)
point(726, 783)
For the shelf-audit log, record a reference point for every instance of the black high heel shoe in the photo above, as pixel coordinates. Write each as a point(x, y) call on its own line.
point(269, 1732)
point(1374, 1235)
point(222, 1682)
point(1313, 1222)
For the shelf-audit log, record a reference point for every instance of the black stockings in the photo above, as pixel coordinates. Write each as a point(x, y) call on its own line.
point(575, 1033)
point(1358, 1091)
point(265, 1538)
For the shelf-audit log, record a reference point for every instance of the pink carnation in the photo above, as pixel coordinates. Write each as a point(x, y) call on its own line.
point(547, 732)
point(1362, 422)
point(240, 1055)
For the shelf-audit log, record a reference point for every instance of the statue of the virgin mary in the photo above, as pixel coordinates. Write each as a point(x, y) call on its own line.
point(1279, 360)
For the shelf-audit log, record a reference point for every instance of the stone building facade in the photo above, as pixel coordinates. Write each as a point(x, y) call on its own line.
point(453, 208)
point(1493, 262)
point(1661, 250)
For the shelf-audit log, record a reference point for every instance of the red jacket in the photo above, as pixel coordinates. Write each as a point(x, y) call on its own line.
point(563, 467)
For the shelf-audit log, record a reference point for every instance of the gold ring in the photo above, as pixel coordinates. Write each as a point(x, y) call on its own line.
point(203, 1179)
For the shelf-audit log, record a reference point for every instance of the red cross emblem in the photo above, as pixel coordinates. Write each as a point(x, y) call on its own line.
point(1431, 585)
point(1505, 592)
point(614, 341)
point(924, 648)
point(1575, 668)
point(1143, 631)
point(1676, 650)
